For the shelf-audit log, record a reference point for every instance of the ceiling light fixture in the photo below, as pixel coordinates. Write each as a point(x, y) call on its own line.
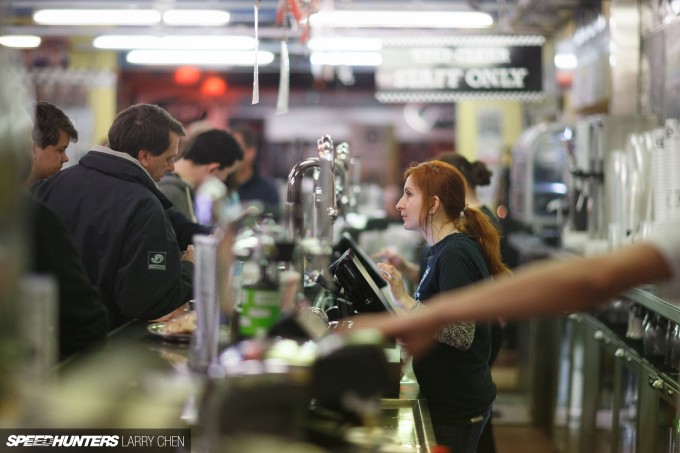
point(97, 17)
point(565, 61)
point(401, 19)
point(215, 58)
point(204, 42)
point(20, 41)
point(338, 43)
point(174, 17)
point(198, 17)
point(345, 58)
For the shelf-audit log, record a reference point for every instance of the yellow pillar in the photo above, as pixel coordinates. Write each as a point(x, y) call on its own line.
point(468, 131)
point(102, 95)
point(485, 129)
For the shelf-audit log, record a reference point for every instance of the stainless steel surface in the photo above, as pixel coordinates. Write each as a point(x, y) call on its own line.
point(656, 406)
point(617, 398)
point(327, 209)
point(343, 184)
point(598, 136)
point(539, 174)
point(646, 298)
point(294, 213)
point(407, 424)
point(324, 207)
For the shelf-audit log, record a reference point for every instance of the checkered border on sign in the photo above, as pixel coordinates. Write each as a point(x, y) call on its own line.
point(392, 97)
point(453, 41)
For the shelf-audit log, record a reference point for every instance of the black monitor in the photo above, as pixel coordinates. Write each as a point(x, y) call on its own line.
point(359, 287)
point(347, 242)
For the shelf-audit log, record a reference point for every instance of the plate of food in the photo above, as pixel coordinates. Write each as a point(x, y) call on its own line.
point(178, 329)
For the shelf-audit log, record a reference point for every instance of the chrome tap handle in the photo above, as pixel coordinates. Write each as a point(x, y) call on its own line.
point(327, 158)
point(342, 177)
point(328, 211)
point(325, 144)
point(294, 209)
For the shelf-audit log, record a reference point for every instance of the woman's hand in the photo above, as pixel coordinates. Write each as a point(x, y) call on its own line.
point(396, 283)
point(389, 256)
point(408, 269)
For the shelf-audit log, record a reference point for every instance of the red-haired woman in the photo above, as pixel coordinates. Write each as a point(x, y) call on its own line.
point(454, 375)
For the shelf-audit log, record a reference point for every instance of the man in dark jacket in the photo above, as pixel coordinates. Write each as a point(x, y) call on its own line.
point(83, 320)
point(117, 215)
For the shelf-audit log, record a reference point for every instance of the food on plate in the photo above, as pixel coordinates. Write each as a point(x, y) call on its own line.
point(182, 324)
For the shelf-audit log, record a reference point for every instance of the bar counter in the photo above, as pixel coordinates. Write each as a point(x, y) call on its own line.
point(155, 365)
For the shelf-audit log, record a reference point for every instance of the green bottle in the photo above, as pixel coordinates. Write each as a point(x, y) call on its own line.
point(260, 305)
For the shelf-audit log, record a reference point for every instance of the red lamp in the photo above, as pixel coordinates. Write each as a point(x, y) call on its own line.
point(187, 75)
point(213, 86)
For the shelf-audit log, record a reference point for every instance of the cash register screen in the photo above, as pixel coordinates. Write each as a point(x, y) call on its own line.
point(347, 242)
point(359, 286)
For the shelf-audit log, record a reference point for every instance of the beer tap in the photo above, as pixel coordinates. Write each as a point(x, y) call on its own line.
point(326, 211)
point(342, 181)
point(314, 250)
point(294, 209)
point(325, 195)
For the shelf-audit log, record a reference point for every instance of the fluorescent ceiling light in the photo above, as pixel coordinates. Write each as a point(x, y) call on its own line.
point(345, 58)
point(199, 57)
point(565, 61)
point(205, 42)
point(402, 19)
point(97, 17)
point(345, 44)
point(20, 41)
point(204, 17)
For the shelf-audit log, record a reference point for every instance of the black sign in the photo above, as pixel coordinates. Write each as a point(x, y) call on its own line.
point(461, 68)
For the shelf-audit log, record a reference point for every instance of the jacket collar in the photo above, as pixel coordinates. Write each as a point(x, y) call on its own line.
point(123, 166)
point(126, 156)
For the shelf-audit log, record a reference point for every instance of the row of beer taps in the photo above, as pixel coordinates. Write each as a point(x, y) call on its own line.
point(335, 176)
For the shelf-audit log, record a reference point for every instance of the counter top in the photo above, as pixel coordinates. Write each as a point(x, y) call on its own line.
point(157, 366)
